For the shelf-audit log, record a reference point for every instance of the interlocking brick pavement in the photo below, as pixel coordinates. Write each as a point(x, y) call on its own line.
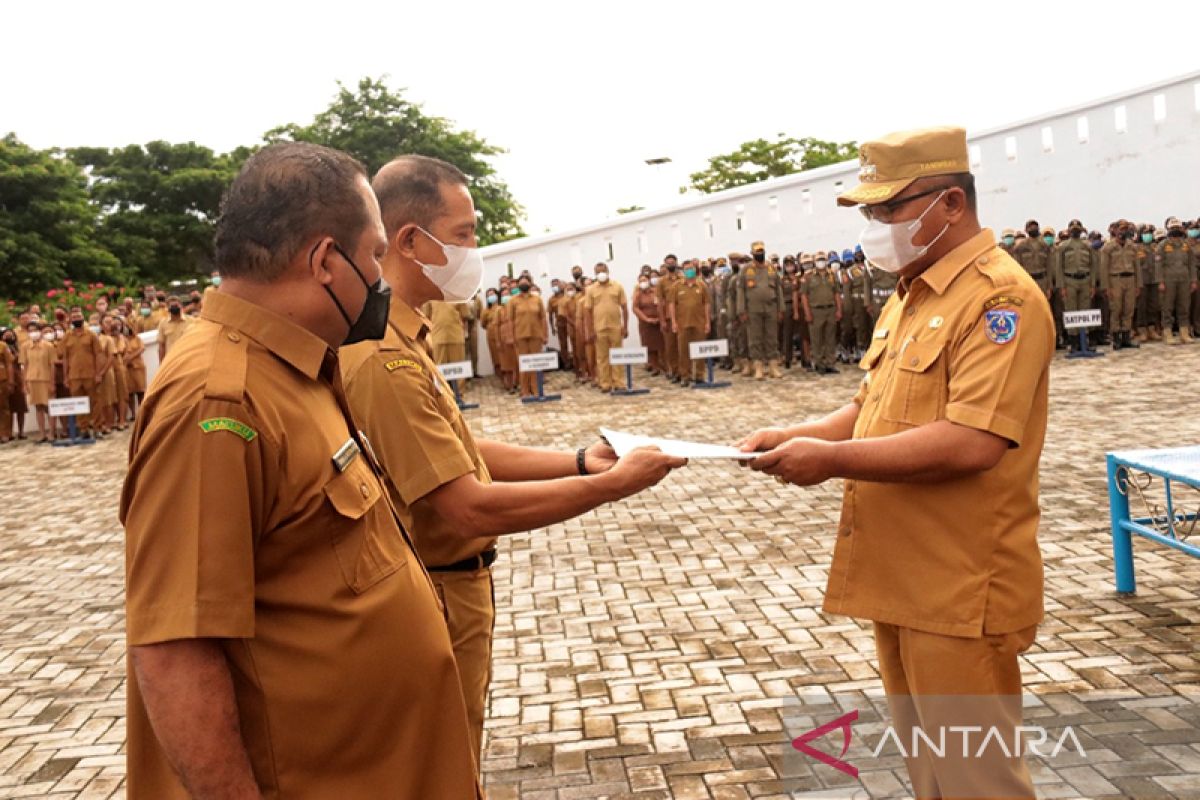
point(646, 650)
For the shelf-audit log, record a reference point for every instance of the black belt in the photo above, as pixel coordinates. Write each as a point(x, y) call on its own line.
point(1080, 275)
point(816, 307)
point(1036, 275)
point(481, 561)
point(1126, 274)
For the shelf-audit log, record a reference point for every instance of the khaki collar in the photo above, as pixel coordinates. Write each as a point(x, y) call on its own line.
point(939, 276)
point(285, 339)
point(405, 321)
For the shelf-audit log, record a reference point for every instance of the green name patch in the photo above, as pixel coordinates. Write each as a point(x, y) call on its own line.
point(231, 425)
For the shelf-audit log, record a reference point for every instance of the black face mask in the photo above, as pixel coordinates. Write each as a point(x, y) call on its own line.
point(672, 267)
point(859, 258)
point(706, 271)
point(372, 320)
point(1033, 232)
point(1175, 232)
point(76, 323)
point(760, 257)
point(1076, 233)
point(524, 287)
point(175, 311)
point(736, 268)
point(1123, 236)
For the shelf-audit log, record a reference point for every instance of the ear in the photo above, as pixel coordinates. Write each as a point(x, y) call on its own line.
point(405, 241)
point(318, 257)
point(956, 204)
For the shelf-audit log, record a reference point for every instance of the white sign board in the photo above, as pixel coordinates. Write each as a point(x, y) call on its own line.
point(623, 356)
point(713, 348)
point(68, 406)
point(538, 362)
point(456, 371)
point(1088, 318)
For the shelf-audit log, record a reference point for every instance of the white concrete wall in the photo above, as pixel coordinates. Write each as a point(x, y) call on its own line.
point(1146, 173)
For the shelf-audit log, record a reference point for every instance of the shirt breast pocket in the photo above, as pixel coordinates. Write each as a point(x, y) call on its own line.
point(919, 391)
point(367, 551)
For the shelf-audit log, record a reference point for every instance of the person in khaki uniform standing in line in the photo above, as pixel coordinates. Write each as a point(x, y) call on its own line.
point(37, 359)
point(475, 311)
point(8, 380)
point(1148, 315)
point(1076, 268)
point(689, 312)
point(1118, 280)
point(285, 640)
point(760, 307)
point(856, 302)
point(937, 543)
point(454, 492)
point(1175, 272)
point(172, 328)
point(531, 330)
point(83, 357)
point(822, 304)
point(649, 315)
point(670, 344)
point(609, 311)
point(448, 333)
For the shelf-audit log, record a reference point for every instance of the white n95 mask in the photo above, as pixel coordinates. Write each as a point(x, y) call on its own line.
point(462, 274)
point(890, 247)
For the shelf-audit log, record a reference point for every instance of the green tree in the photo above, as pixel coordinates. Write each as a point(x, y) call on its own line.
point(47, 226)
point(630, 209)
point(761, 159)
point(375, 124)
point(159, 204)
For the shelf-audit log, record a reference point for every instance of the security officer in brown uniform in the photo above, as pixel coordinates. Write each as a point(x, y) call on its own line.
point(284, 639)
point(1148, 315)
point(665, 288)
point(689, 311)
point(83, 356)
point(760, 306)
point(1119, 280)
point(454, 492)
point(531, 329)
point(856, 298)
point(1175, 270)
point(1076, 271)
point(1032, 253)
point(937, 543)
point(738, 348)
point(822, 304)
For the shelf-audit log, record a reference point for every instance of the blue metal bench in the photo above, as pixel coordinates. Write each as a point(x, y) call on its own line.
point(1130, 474)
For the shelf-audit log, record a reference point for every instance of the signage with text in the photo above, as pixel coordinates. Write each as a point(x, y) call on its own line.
point(538, 362)
point(456, 371)
point(69, 406)
point(622, 356)
point(713, 348)
point(1088, 318)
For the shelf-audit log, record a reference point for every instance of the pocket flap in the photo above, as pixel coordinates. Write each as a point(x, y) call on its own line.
point(920, 356)
point(354, 491)
point(871, 357)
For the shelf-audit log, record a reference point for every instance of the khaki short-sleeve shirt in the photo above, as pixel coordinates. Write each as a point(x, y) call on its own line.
point(605, 303)
point(969, 341)
point(255, 516)
point(408, 412)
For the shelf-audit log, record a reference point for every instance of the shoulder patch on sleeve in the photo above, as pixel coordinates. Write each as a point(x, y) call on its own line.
point(401, 363)
point(1000, 325)
point(227, 424)
point(1003, 300)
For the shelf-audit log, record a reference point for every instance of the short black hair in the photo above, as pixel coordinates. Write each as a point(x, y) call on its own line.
point(409, 189)
point(285, 195)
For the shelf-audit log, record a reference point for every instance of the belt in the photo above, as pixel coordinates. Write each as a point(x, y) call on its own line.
point(1079, 275)
point(1125, 274)
point(816, 307)
point(470, 564)
point(1037, 275)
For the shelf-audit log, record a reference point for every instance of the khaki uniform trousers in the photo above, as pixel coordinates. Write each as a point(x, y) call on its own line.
point(468, 602)
point(1176, 303)
point(85, 388)
point(528, 379)
point(1122, 296)
point(449, 353)
point(1079, 295)
point(937, 682)
point(689, 368)
point(608, 376)
point(823, 330)
point(670, 352)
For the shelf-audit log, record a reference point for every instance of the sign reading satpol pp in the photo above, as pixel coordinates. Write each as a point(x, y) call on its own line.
point(712, 348)
point(628, 356)
point(70, 406)
point(1088, 318)
point(538, 362)
point(456, 370)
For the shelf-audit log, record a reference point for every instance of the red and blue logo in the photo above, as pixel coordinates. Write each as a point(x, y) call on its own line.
point(1000, 325)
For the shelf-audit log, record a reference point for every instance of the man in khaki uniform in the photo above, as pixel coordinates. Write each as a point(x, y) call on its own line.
point(760, 305)
point(822, 304)
point(172, 328)
point(937, 543)
point(531, 329)
point(1148, 314)
point(447, 331)
point(284, 638)
point(1032, 253)
point(1175, 271)
point(688, 309)
point(609, 310)
point(1118, 279)
point(439, 476)
point(83, 356)
point(856, 297)
point(665, 288)
point(1076, 269)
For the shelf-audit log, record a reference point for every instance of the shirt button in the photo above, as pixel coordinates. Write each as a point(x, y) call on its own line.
point(983, 260)
point(892, 354)
point(914, 361)
point(912, 312)
point(365, 491)
point(233, 337)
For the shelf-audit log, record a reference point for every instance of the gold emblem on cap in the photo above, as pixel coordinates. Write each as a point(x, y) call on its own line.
point(936, 323)
point(867, 173)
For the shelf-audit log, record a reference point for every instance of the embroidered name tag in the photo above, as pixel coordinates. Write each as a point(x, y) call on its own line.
point(1003, 300)
point(231, 425)
point(402, 363)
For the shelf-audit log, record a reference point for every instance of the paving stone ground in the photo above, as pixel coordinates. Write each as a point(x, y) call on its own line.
point(647, 650)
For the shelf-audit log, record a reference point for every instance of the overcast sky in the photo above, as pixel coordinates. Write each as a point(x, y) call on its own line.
point(579, 93)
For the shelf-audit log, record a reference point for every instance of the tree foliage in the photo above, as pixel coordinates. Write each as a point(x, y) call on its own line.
point(375, 124)
point(760, 159)
point(47, 225)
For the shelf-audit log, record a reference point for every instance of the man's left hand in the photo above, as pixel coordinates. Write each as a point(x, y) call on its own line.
point(598, 458)
point(800, 461)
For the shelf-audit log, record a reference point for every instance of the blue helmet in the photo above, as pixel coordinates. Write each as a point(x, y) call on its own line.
point(857, 249)
point(847, 255)
point(833, 257)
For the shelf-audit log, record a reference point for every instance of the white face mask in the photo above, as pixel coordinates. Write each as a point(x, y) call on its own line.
point(602, 277)
point(95, 328)
point(654, 281)
point(35, 336)
point(890, 247)
point(462, 274)
point(822, 263)
point(644, 285)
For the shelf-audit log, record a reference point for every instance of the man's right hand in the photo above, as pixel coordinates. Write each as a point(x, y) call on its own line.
point(762, 440)
point(641, 469)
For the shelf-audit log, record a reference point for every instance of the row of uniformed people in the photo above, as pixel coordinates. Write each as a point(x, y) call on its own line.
point(1142, 278)
point(310, 522)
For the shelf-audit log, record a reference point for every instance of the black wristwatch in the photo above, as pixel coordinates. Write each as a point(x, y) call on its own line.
point(581, 460)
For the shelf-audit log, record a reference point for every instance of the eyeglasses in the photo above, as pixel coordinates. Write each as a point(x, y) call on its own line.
point(884, 212)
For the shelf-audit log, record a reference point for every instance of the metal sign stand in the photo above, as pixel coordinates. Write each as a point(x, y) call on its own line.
point(454, 373)
point(710, 383)
point(68, 407)
point(629, 356)
point(709, 351)
point(539, 363)
point(458, 398)
point(541, 396)
point(1083, 321)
